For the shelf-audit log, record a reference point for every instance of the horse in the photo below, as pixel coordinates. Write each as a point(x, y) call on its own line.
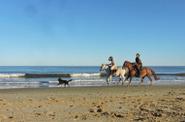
point(145, 72)
point(120, 72)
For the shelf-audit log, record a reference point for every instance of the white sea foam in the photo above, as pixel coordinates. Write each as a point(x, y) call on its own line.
point(89, 80)
point(53, 81)
point(11, 75)
point(12, 80)
point(19, 75)
point(85, 74)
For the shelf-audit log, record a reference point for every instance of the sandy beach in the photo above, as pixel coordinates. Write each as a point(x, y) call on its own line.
point(103, 104)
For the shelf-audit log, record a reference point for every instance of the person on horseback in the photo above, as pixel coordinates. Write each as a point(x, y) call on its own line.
point(138, 64)
point(112, 64)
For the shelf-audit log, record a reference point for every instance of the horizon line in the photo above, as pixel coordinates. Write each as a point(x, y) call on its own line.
point(83, 66)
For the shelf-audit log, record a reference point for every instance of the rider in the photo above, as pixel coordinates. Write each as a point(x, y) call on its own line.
point(138, 63)
point(112, 64)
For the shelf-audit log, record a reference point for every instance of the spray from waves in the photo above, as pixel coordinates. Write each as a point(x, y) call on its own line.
point(85, 74)
point(12, 75)
point(77, 75)
point(62, 75)
point(29, 75)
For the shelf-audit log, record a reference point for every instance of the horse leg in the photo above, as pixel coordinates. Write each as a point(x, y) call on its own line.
point(142, 79)
point(123, 79)
point(120, 80)
point(107, 80)
point(110, 78)
point(150, 80)
point(127, 78)
point(129, 81)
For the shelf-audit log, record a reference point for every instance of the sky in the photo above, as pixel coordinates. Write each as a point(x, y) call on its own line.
point(87, 32)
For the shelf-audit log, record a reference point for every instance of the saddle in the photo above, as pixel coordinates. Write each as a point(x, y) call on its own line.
point(137, 69)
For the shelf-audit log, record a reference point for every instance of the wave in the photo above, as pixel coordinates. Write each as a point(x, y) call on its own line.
point(62, 75)
point(12, 75)
point(85, 74)
point(172, 74)
point(47, 75)
point(81, 75)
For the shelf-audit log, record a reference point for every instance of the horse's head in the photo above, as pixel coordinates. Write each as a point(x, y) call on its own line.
point(125, 64)
point(103, 67)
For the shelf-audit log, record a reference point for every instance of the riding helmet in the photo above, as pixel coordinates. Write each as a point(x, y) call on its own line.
point(110, 58)
point(137, 55)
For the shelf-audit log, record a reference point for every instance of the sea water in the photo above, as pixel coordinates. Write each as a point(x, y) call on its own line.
point(16, 76)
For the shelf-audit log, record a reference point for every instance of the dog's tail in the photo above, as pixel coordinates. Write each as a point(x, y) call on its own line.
point(70, 80)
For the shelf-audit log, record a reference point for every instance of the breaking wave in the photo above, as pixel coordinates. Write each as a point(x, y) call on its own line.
point(28, 75)
point(12, 75)
point(81, 75)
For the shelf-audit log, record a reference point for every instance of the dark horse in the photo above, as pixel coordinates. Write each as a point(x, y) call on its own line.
point(145, 72)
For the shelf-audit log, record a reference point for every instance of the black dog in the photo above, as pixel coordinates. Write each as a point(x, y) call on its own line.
point(65, 82)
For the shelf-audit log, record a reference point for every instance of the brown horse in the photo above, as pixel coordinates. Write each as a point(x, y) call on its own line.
point(145, 72)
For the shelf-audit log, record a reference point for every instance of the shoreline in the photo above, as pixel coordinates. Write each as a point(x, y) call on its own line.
point(102, 103)
point(94, 86)
point(113, 84)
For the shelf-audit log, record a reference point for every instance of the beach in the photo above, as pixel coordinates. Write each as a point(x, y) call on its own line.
point(103, 104)
point(92, 61)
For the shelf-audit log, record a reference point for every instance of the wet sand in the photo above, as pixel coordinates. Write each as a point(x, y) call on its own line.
point(101, 104)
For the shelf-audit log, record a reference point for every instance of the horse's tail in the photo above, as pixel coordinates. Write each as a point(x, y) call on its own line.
point(154, 74)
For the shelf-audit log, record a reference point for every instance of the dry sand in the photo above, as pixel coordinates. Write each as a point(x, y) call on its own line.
point(101, 104)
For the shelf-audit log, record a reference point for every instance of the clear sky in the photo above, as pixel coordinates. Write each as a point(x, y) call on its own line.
point(87, 32)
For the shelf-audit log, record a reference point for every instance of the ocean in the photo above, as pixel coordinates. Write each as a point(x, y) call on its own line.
point(46, 76)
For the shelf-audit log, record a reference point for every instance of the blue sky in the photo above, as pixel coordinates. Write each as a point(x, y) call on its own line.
point(87, 32)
